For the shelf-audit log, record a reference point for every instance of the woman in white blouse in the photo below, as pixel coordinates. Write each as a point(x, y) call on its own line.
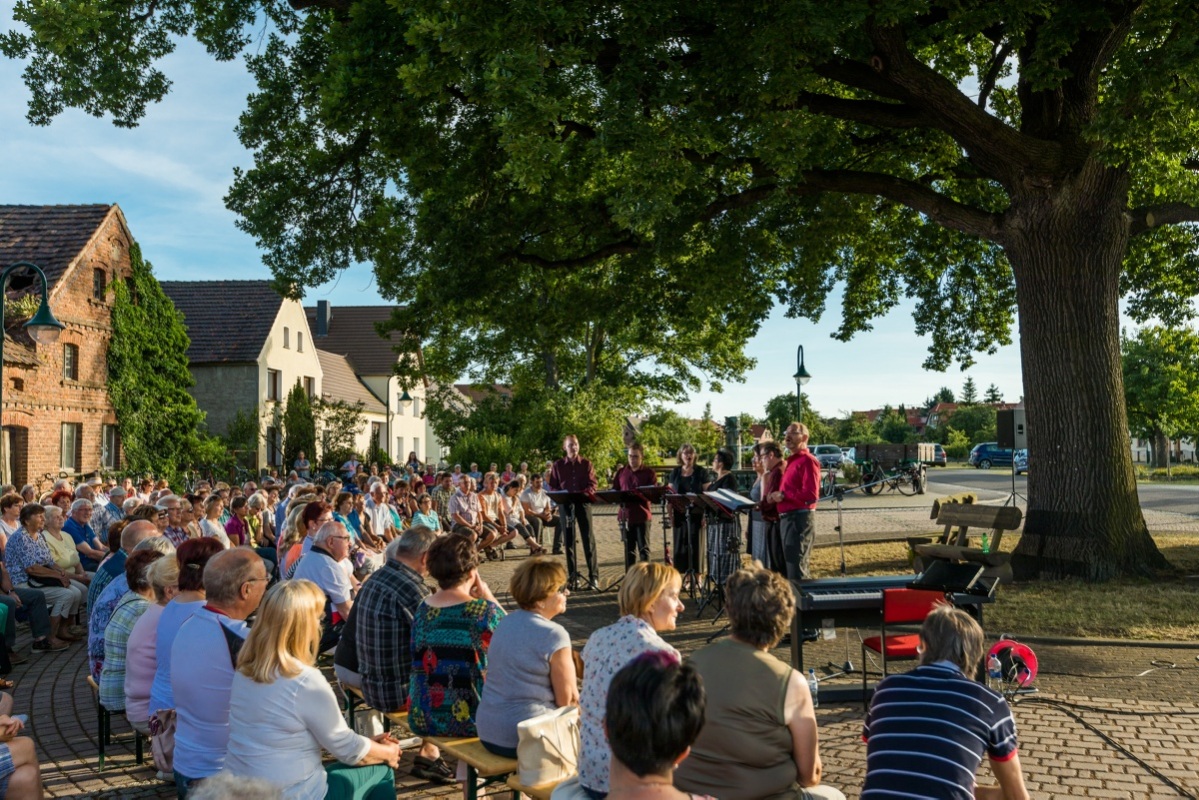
point(276, 688)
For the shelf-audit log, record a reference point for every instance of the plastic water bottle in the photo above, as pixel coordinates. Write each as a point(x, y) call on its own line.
point(986, 543)
point(994, 673)
point(814, 687)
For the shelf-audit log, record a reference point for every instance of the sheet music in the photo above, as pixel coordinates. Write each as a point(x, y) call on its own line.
point(731, 500)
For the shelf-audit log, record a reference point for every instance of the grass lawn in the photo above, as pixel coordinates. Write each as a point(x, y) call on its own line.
point(1162, 608)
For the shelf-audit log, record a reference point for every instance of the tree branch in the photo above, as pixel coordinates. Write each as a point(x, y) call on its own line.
point(987, 84)
point(1146, 218)
point(334, 5)
point(870, 112)
point(626, 246)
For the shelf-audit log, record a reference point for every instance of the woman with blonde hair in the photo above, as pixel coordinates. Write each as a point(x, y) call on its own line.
point(649, 605)
point(278, 688)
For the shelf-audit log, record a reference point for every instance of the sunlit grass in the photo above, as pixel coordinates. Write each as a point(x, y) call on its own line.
point(1162, 608)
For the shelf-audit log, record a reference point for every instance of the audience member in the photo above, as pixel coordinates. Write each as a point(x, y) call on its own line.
point(531, 668)
point(34, 603)
point(129, 610)
point(649, 604)
point(192, 557)
point(78, 527)
point(132, 533)
point(760, 739)
point(30, 565)
point(105, 512)
point(212, 525)
point(465, 514)
point(10, 513)
point(62, 548)
point(202, 659)
point(323, 566)
point(20, 776)
point(927, 730)
point(514, 515)
point(278, 688)
point(425, 515)
point(106, 603)
point(442, 493)
point(654, 712)
point(141, 655)
point(539, 511)
point(451, 633)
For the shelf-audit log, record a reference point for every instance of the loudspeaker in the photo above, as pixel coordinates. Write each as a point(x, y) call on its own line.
point(1011, 430)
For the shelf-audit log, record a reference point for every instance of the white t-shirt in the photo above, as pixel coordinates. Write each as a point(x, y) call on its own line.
point(277, 731)
point(201, 677)
point(213, 528)
point(379, 515)
point(320, 568)
point(538, 501)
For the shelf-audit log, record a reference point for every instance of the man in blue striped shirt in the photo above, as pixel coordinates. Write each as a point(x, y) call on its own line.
point(928, 729)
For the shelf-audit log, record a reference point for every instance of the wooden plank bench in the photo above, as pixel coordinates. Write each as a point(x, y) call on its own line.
point(480, 762)
point(540, 792)
point(955, 546)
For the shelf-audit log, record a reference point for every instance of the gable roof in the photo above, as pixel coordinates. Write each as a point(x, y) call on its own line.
point(352, 333)
point(227, 321)
point(50, 236)
point(477, 392)
point(340, 383)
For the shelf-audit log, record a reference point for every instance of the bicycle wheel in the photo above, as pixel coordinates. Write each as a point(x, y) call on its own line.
point(872, 483)
point(905, 482)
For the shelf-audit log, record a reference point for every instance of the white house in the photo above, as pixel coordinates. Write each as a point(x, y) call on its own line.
point(340, 383)
point(249, 347)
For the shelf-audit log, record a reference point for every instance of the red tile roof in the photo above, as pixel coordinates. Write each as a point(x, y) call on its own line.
point(50, 236)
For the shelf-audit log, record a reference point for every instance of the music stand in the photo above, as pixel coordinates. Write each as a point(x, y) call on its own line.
point(566, 501)
point(625, 499)
point(729, 504)
point(681, 504)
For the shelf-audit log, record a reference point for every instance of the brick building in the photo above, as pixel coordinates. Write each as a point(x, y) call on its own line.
point(56, 411)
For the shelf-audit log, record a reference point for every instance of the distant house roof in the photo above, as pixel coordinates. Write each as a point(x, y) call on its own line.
point(227, 321)
point(352, 332)
point(50, 236)
point(760, 433)
point(476, 392)
point(340, 383)
point(19, 353)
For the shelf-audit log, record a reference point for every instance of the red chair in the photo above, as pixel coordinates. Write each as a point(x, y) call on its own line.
point(900, 606)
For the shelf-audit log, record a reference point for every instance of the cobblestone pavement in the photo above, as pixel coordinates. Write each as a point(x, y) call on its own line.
point(1127, 734)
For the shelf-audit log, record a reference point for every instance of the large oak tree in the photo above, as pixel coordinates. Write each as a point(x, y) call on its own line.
point(979, 156)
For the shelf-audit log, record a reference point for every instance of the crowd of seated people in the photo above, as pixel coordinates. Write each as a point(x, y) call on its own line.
point(415, 627)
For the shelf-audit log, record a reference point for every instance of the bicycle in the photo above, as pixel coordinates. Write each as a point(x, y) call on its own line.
point(907, 480)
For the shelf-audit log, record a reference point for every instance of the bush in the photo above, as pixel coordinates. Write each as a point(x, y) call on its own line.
point(1180, 472)
point(851, 472)
point(482, 448)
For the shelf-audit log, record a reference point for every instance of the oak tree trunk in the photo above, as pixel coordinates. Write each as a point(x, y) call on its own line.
point(1066, 244)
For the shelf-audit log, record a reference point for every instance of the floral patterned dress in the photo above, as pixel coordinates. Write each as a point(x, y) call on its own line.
point(449, 663)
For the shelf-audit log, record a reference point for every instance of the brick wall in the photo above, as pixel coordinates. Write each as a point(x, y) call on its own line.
point(38, 401)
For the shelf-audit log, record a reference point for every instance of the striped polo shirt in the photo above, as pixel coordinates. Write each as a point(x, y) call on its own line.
point(927, 731)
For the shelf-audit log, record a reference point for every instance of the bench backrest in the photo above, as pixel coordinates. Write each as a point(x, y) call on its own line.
point(966, 516)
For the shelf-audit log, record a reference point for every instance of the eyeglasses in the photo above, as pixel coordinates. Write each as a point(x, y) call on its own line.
point(255, 580)
point(563, 589)
point(339, 538)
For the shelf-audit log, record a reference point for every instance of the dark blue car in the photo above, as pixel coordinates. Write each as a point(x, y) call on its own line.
point(990, 454)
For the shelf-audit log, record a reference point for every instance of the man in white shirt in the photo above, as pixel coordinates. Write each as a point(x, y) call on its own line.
point(323, 565)
point(378, 513)
point(540, 512)
point(202, 659)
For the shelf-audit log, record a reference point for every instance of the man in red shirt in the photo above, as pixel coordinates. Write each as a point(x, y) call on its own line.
point(796, 498)
point(636, 516)
point(575, 474)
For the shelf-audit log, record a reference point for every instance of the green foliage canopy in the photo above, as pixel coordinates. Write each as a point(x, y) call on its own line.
point(299, 426)
point(148, 377)
point(1161, 382)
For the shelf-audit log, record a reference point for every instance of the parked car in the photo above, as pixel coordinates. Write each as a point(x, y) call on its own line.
point(990, 454)
point(939, 457)
point(828, 454)
point(1020, 462)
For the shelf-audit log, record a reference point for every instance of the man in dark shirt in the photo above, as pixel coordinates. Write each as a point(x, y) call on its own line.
point(575, 474)
point(635, 516)
point(380, 629)
point(772, 459)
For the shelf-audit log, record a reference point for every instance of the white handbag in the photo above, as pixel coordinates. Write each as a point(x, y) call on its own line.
point(548, 746)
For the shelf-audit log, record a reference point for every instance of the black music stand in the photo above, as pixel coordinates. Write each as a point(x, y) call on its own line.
point(566, 502)
point(727, 504)
point(625, 498)
point(682, 504)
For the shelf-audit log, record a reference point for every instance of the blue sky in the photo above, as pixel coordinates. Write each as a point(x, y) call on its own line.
point(170, 174)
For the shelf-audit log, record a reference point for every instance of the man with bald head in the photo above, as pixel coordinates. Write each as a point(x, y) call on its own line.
point(134, 534)
point(202, 659)
point(108, 600)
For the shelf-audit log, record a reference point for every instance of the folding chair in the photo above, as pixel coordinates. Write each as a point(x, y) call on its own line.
point(900, 606)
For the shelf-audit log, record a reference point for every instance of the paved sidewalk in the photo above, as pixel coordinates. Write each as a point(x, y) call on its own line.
point(1154, 717)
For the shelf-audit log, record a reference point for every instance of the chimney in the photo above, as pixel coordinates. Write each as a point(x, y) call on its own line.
point(323, 315)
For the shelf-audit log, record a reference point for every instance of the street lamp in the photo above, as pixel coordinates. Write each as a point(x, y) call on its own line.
point(801, 377)
point(42, 327)
point(406, 399)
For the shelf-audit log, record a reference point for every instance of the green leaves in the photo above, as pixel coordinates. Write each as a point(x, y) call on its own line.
point(1161, 382)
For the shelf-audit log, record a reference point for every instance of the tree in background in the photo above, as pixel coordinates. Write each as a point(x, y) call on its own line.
point(976, 421)
point(663, 431)
point(693, 150)
point(943, 395)
point(339, 424)
point(854, 429)
point(243, 433)
point(892, 426)
point(969, 394)
point(993, 395)
point(299, 426)
point(148, 379)
point(1161, 386)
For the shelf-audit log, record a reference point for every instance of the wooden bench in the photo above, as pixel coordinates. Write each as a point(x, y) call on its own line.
point(955, 545)
point(480, 762)
point(355, 699)
point(541, 792)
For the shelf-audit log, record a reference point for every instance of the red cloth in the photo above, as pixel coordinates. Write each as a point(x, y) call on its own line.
point(770, 484)
point(801, 482)
point(627, 480)
point(572, 475)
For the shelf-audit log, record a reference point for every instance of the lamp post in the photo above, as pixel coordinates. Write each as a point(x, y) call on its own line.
point(42, 327)
point(801, 377)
